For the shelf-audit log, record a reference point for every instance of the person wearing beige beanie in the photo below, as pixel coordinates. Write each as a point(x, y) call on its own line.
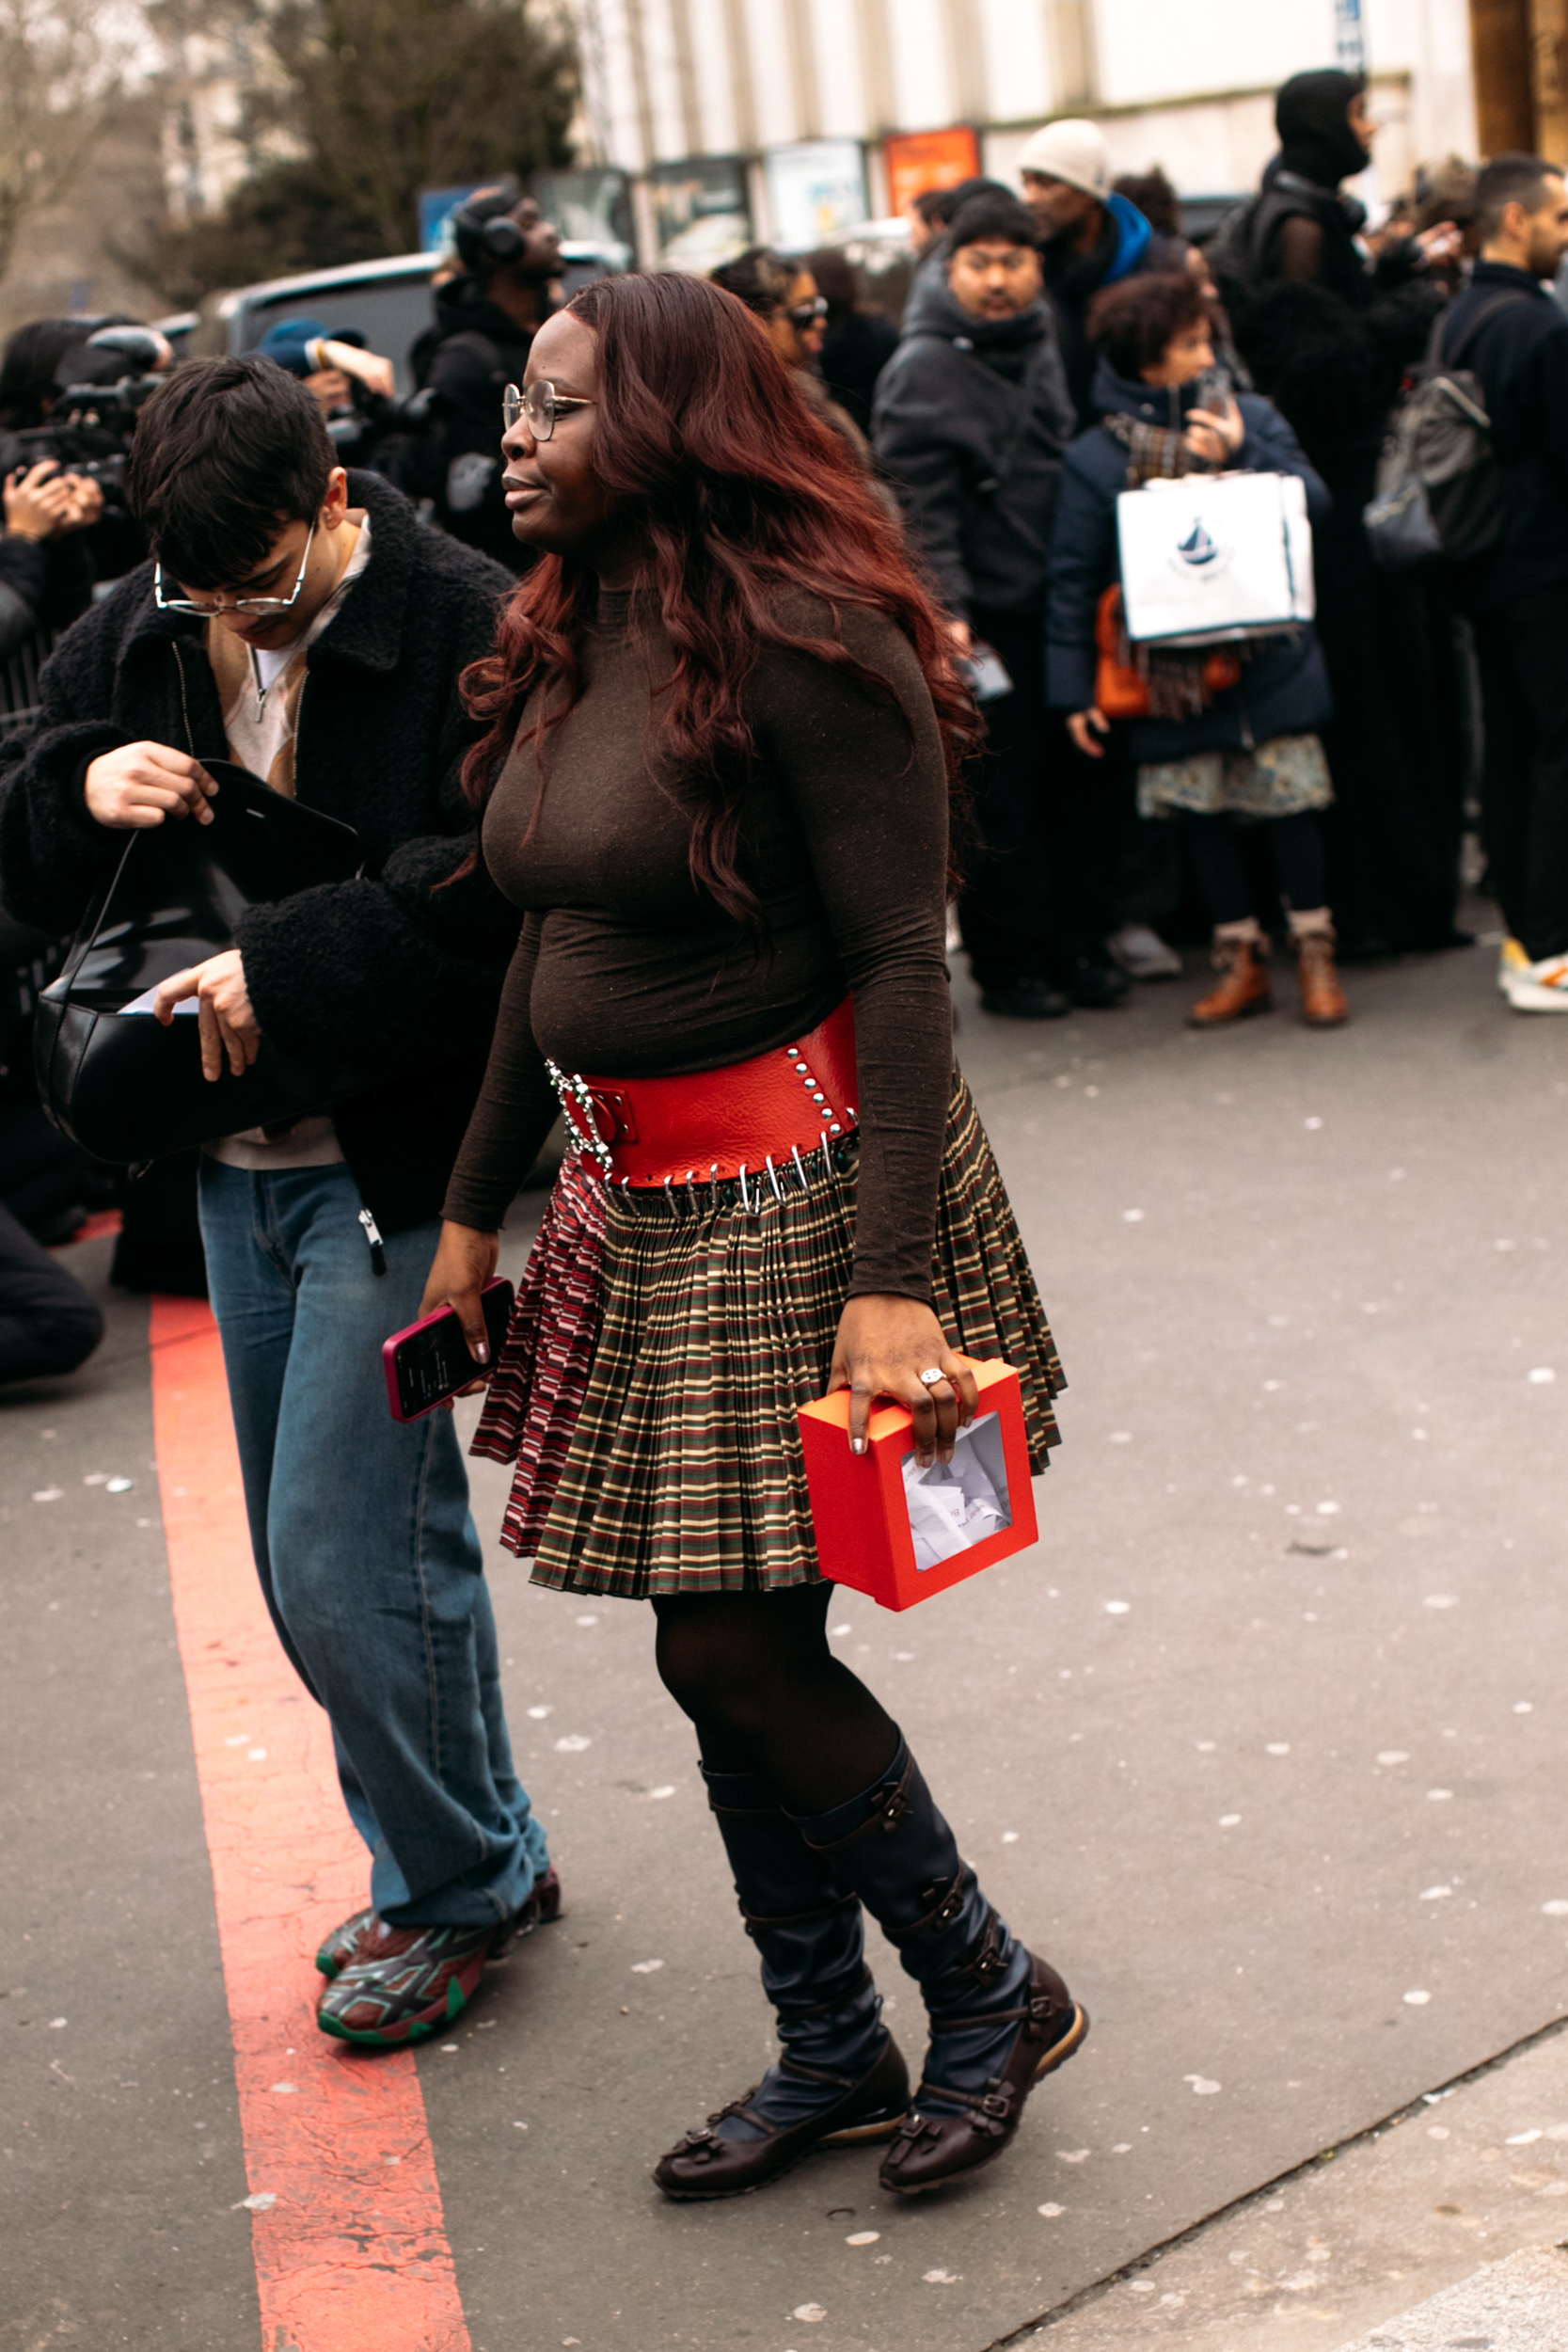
point(1089, 237)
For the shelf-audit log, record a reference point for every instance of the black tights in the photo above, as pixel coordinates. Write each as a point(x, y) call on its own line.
point(755, 1673)
point(1298, 859)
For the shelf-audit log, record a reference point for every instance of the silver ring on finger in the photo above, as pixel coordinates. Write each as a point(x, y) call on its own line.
point(929, 1380)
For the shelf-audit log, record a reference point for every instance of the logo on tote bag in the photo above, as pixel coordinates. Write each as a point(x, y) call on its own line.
point(1198, 548)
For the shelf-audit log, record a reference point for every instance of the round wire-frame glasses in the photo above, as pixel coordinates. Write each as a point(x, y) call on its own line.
point(538, 405)
point(271, 605)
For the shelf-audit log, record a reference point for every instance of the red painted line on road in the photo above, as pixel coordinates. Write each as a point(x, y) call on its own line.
point(351, 2251)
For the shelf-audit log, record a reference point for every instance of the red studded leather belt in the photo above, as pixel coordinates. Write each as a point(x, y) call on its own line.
point(746, 1122)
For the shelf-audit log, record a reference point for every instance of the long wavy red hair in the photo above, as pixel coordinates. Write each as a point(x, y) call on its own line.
point(741, 491)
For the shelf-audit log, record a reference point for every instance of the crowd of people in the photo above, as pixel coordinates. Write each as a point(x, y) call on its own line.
point(806, 631)
point(1027, 370)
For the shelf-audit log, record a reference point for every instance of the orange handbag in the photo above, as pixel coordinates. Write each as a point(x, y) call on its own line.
point(1121, 691)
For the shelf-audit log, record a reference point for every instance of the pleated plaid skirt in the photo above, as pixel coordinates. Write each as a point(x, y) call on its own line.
point(650, 1399)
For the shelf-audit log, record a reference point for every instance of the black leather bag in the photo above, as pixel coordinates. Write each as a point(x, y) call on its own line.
point(119, 1082)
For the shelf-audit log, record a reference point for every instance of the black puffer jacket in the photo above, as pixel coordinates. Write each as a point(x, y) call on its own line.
point(971, 420)
point(390, 966)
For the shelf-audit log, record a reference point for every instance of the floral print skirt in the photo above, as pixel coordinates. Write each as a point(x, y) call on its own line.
point(1277, 779)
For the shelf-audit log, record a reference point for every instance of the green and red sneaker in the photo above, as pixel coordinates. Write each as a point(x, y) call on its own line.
point(403, 1984)
point(343, 1943)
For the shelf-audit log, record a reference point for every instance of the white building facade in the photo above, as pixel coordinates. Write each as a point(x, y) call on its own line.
point(215, 71)
point(802, 97)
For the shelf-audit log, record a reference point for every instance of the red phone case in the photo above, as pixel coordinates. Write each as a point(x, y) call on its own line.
point(390, 1348)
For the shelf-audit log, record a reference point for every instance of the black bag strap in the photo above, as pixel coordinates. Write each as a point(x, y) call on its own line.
point(1483, 318)
point(92, 921)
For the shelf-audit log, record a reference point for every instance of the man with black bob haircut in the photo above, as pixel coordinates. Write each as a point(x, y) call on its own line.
point(1518, 597)
point(972, 417)
point(303, 622)
point(485, 321)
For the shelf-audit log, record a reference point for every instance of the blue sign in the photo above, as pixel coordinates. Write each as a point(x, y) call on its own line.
point(1350, 37)
point(436, 206)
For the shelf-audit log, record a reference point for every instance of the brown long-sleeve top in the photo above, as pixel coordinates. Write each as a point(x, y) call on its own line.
point(624, 969)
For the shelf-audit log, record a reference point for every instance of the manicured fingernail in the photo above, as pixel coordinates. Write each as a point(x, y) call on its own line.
point(481, 1353)
point(857, 1445)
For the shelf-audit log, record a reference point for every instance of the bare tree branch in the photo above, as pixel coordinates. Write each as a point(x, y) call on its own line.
point(61, 63)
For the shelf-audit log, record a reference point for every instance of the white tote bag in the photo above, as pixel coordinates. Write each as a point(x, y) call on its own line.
point(1208, 557)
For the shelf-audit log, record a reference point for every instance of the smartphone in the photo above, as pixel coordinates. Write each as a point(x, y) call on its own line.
point(430, 1361)
point(987, 673)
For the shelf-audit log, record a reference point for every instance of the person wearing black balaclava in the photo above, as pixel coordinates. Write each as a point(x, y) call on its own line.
point(1327, 334)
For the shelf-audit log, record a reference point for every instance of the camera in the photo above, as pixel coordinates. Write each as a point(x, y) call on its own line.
point(104, 397)
point(390, 435)
point(102, 384)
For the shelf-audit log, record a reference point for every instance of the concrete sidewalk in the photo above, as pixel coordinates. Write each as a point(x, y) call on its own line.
point(1262, 1744)
point(1472, 2174)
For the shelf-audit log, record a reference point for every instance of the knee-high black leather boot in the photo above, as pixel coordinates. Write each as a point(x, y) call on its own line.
point(840, 2077)
point(1001, 2019)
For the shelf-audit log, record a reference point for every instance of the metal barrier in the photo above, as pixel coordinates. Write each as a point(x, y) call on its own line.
point(19, 684)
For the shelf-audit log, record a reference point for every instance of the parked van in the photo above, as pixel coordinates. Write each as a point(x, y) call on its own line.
point(388, 302)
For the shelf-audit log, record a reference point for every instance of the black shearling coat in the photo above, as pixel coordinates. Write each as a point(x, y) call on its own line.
point(389, 965)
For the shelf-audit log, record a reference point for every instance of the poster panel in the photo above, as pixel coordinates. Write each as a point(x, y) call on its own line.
point(702, 215)
point(815, 190)
point(919, 160)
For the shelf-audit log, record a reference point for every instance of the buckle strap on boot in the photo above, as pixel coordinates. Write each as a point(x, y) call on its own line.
point(946, 1900)
point(887, 1808)
point(764, 1920)
point(985, 1960)
point(990, 2111)
point(705, 2143)
point(1035, 2017)
point(741, 1812)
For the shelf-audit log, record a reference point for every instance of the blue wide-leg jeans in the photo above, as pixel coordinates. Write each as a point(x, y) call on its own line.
point(365, 1544)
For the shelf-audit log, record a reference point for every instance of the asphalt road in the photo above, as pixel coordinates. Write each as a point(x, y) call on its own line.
point(1261, 1743)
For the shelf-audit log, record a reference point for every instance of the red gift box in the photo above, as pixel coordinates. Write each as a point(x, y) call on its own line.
point(885, 1536)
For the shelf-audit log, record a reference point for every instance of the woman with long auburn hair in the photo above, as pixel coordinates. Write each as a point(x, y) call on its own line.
point(724, 737)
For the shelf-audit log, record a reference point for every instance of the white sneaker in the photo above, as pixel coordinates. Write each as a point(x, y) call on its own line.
point(1538, 987)
point(1143, 954)
point(1512, 961)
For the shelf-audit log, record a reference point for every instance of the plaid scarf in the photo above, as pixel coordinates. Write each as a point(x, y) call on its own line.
point(1155, 452)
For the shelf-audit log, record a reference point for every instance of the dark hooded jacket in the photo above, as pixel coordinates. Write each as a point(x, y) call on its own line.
point(1329, 352)
point(394, 966)
point(1284, 686)
point(971, 420)
point(470, 355)
point(1126, 247)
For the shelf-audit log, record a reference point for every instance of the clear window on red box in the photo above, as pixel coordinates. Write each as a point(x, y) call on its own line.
point(955, 1505)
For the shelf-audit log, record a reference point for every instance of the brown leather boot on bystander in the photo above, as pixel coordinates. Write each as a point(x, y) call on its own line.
point(1243, 988)
point(1323, 999)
